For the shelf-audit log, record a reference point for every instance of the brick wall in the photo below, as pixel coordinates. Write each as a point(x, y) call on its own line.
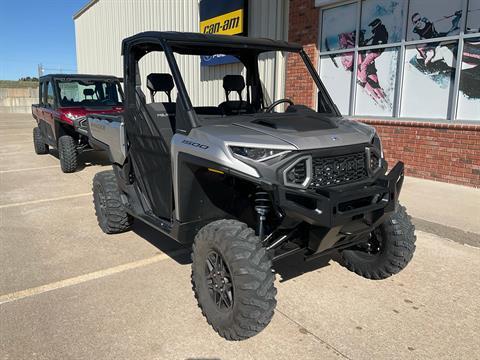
point(443, 152)
point(302, 29)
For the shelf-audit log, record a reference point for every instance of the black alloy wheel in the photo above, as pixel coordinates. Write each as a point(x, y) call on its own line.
point(219, 281)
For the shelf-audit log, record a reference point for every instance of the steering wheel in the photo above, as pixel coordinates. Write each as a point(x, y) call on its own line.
point(278, 102)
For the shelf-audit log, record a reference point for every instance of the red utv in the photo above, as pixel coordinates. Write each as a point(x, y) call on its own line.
point(64, 103)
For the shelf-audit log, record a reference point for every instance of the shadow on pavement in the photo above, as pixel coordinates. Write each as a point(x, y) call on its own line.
point(293, 266)
point(287, 268)
point(87, 159)
point(163, 243)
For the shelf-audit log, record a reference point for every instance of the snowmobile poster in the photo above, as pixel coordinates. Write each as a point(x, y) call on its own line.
point(382, 23)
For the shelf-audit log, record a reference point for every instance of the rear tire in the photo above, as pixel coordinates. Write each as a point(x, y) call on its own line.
point(395, 246)
point(243, 302)
point(111, 215)
point(67, 151)
point(38, 143)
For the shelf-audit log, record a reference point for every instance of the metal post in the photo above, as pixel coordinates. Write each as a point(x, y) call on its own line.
point(458, 66)
point(397, 105)
point(353, 84)
point(40, 70)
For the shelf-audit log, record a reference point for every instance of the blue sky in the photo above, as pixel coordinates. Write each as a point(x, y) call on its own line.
point(34, 32)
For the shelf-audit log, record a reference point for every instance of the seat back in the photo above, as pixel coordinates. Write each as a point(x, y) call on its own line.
point(234, 107)
point(160, 82)
point(88, 92)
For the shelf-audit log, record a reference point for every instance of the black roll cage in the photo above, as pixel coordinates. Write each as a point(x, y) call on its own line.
point(245, 49)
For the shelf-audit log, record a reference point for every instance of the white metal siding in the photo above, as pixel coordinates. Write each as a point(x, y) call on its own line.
point(99, 32)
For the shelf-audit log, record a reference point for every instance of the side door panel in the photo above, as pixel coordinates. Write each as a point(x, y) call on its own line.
point(149, 148)
point(48, 114)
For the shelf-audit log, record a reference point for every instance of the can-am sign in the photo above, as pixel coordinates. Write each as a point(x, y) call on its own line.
point(225, 17)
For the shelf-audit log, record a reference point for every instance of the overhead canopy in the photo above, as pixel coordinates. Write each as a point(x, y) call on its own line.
point(205, 44)
point(79, 77)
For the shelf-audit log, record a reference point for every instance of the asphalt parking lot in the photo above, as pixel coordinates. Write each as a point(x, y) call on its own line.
point(68, 291)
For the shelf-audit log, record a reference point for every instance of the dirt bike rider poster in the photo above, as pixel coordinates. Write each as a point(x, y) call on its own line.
point(429, 69)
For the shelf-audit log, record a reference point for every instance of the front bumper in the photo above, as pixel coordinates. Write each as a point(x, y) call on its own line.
point(353, 209)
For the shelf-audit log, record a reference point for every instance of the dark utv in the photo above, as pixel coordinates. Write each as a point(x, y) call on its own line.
point(248, 185)
point(64, 102)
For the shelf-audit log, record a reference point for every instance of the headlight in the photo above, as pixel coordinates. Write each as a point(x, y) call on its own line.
point(257, 154)
point(72, 116)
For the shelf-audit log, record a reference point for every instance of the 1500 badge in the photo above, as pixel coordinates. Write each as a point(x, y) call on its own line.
point(195, 144)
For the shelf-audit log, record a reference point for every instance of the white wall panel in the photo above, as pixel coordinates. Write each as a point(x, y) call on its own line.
point(101, 28)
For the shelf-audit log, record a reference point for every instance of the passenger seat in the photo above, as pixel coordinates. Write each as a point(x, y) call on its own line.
point(161, 111)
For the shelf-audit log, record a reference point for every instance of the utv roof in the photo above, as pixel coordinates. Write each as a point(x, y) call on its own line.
point(205, 44)
point(79, 76)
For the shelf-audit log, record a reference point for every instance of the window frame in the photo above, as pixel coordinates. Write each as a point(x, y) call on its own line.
point(401, 47)
point(49, 83)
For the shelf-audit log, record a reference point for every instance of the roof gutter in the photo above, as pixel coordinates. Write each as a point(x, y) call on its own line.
point(84, 9)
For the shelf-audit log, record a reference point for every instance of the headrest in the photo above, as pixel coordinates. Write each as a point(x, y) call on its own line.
point(88, 92)
point(160, 82)
point(233, 83)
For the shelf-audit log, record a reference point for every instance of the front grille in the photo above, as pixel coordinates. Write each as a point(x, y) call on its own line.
point(338, 170)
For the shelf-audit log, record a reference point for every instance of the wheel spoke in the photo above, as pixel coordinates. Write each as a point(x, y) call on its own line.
point(230, 296)
point(219, 282)
point(210, 284)
point(225, 299)
point(209, 264)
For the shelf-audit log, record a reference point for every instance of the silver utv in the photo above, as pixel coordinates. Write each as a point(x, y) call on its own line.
point(245, 183)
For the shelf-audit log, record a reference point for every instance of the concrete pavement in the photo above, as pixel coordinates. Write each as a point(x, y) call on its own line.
point(450, 205)
point(69, 291)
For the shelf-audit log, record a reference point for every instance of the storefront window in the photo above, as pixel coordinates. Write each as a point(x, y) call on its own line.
point(376, 75)
point(428, 79)
point(469, 97)
point(336, 74)
point(401, 68)
point(434, 18)
point(473, 16)
point(338, 27)
point(382, 22)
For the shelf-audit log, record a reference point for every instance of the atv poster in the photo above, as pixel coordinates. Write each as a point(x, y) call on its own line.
point(223, 17)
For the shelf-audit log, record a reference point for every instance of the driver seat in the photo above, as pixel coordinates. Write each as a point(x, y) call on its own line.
point(235, 107)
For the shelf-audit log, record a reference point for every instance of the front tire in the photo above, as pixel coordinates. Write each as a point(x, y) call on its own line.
point(111, 215)
point(390, 249)
point(232, 279)
point(38, 143)
point(67, 152)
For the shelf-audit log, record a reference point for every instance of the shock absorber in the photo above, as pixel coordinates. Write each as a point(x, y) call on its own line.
point(262, 207)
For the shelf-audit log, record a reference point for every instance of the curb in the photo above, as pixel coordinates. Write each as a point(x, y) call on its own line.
point(451, 233)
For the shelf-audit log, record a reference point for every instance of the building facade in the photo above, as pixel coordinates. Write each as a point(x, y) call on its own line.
point(101, 25)
point(411, 68)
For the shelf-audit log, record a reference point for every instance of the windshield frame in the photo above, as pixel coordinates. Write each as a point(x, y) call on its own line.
point(136, 47)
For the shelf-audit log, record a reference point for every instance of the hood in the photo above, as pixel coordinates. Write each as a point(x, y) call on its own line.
point(308, 130)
